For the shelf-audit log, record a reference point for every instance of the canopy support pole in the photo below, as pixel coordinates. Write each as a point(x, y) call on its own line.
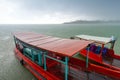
point(33, 57)
point(40, 58)
point(45, 67)
point(112, 44)
point(63, 62)
point(15, 41)
point(87, 58)
point(66, 68)
point(101, 50)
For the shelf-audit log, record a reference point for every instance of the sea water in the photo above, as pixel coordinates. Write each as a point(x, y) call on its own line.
point(10, 69)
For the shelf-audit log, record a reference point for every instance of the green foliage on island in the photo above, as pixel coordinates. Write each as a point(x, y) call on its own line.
point(91, 21)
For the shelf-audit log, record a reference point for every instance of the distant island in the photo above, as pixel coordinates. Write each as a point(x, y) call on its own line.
point(91, 21)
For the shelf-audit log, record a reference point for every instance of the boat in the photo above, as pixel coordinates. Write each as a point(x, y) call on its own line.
point(52, 58)
point(101, 50)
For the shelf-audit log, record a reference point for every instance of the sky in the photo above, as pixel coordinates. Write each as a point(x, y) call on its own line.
point(57, 11)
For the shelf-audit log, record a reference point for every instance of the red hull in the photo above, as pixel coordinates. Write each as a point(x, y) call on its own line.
point(116, 56)
point(92, 56)
point(36, 67)
point(75, 63)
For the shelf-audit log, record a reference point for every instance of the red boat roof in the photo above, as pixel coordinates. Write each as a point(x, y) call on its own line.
point(65, 47)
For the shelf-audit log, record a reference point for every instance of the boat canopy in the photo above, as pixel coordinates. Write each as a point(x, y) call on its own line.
point(65, 47)
point(102, 40)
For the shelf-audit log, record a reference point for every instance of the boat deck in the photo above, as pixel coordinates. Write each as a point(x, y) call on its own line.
point(111, 61)
point(45, 45)
point(76, 74)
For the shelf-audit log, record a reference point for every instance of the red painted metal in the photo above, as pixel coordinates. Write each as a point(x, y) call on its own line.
point(116, 56)
point(67, 47)
point(74, 62)
point(97, 58)
point(26, 35)
point(64, 47)
point(37, 39)
point(113, 55)
point(77, 63)
point(43, 41)
point(36, 67)
point(92, 56)
point(105, 71)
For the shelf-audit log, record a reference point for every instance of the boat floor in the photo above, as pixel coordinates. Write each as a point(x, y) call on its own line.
point(75, 74)
point(106, 60)
point(112, 61)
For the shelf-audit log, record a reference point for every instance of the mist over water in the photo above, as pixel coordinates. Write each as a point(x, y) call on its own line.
point(10, 69)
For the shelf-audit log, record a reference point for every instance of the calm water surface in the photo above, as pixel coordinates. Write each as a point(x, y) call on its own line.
point(10, 69)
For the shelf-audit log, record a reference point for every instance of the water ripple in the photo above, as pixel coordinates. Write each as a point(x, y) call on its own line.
point(5, 38)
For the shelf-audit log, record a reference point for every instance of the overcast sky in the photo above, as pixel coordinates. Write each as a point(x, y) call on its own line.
point(57, 11)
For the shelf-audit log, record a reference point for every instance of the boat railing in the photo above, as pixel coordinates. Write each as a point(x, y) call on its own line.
point(31, 52)
point(41, 56)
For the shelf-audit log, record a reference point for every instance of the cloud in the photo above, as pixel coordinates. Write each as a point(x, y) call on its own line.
point(14, 12)
point(55, 11)
point(8, 11)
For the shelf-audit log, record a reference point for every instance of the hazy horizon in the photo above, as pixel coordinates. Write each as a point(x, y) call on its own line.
point(57, 11)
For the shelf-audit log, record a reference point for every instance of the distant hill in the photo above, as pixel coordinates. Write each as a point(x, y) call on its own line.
point(91, 21)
